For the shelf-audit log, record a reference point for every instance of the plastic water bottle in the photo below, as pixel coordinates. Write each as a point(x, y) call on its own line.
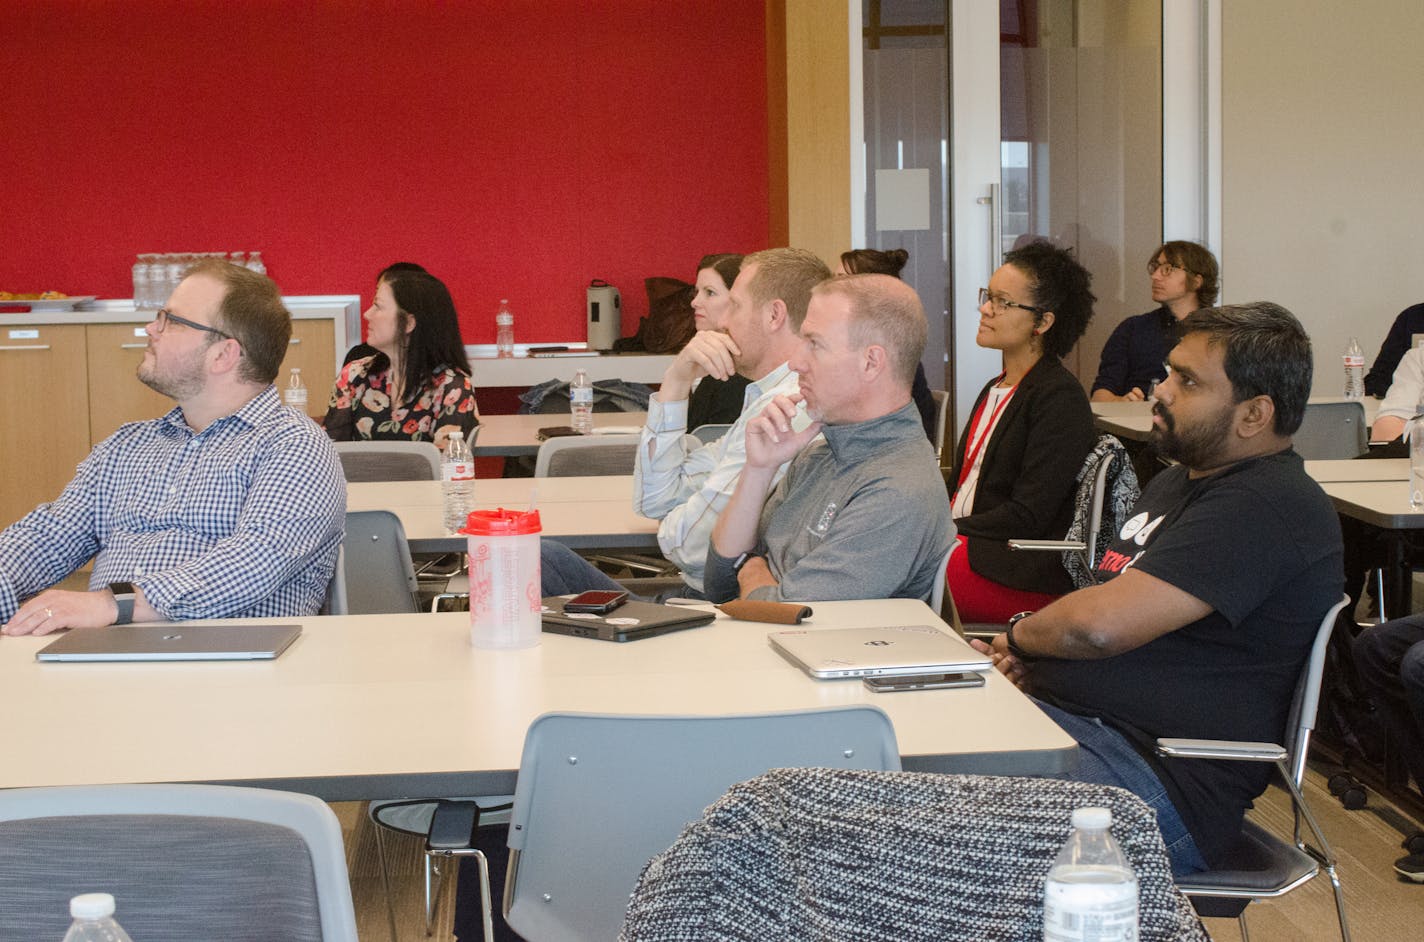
point(1354, 371)
point(504, 330)
point(141, 289)
point(295, 395)
point(94, 920)
point(581, 403)
point(255, 263)
point(457, 474)
point(1091, 894)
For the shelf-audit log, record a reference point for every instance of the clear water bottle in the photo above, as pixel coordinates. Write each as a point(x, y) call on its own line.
point(581, 403)
point(1091, 892)
point(141, 290)
point(94, 920)
point(295, 395)
point(1414, 435)
point(504, 330)
point(255, 263)
point(1354, 371)
point(457, 474)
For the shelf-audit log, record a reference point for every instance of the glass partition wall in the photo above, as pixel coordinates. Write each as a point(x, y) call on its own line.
point(1079, 144)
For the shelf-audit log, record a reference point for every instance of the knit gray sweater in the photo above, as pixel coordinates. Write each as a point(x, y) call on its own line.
point(861, 515)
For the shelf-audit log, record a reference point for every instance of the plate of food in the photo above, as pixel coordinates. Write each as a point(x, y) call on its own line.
point(43, 300)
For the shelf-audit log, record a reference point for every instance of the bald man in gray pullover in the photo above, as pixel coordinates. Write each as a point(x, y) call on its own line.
point(863, 514)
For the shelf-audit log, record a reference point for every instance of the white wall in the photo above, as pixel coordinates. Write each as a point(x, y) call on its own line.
point(1323, 166)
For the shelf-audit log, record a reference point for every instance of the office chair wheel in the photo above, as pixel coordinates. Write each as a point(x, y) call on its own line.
point(1414, 843)
point(1348, 789)
point(1339, 783)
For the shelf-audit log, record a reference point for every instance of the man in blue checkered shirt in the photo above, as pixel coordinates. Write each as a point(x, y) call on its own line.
point(231, 505)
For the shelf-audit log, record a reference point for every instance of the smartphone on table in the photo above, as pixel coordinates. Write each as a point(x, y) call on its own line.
point(894, 683)
point(599, 602)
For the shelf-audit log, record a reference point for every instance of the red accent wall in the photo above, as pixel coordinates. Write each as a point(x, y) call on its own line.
point(516, 148)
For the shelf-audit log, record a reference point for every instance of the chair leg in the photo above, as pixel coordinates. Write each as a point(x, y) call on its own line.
point(431, 899)
point(1339, 902)
point(1241, 921)
point(386, 880)
point(1379, 593)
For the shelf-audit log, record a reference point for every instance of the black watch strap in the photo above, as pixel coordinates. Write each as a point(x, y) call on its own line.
point(1014, 648)
point(124, 594)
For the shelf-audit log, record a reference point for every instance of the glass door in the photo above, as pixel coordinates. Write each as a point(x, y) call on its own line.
point(1046, 123)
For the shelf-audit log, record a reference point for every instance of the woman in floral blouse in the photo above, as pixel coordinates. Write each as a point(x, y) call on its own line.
point(417, 387)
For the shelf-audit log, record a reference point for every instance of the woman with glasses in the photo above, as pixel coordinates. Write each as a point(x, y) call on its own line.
point(1184, 278)
point(1029, 431)
point(878, 262)
point(417, 385)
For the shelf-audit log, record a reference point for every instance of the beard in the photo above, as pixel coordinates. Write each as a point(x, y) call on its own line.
point(182, 381)
point(1198, 446)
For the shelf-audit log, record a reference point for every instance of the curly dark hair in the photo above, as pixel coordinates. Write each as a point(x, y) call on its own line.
point(1060, 286)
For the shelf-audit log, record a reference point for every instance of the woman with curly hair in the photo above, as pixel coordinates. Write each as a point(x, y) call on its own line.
point(1029, 432)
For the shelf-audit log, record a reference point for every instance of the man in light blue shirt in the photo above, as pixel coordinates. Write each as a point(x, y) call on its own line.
point(685, 487)
point(230, 505)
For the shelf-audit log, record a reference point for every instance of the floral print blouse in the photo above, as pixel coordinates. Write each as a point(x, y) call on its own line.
point(361, 409)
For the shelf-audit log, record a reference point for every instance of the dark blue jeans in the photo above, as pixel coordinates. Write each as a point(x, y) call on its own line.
point(1105, 757)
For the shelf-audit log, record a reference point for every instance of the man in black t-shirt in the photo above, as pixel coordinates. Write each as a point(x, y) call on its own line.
point(1210, 594)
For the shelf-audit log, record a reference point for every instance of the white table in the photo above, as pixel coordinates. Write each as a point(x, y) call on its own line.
point(524, 371)
point(580, 512)
point(1383, 504)
point(382, 706)
point(509, 435)
point(1349, 469)
point(1133, 420)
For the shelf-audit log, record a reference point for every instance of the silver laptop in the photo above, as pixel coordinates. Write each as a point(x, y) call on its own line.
point(866, 652)
point(172, 642)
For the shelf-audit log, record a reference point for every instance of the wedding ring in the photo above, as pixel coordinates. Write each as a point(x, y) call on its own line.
point(49, 613)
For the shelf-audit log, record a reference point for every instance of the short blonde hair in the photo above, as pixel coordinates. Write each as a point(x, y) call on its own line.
point(884, 310)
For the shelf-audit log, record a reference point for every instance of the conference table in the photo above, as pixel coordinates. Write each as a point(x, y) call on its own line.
point(1132, 421)
point(512, 435)
point(580, 512)
point(369, 706)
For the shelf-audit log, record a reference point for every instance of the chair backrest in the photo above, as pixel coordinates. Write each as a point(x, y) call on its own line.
point(335, 601)
point(910, 856)
point(941, 398)
point(598, 796)
point(182, 861)
point(391, 461)
point(711, 431)
point(379, 575)
point(1301, 719)
point(1332, 430)
point(583, 455)
point(937, 593)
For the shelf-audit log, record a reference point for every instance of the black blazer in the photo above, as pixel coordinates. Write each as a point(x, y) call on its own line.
point(1026, 482)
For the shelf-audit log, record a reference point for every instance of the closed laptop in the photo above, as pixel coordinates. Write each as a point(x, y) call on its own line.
point(172, 642)
point(864, 652)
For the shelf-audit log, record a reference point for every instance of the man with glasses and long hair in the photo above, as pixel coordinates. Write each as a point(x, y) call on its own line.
point(1184, 278)
point(230, 505)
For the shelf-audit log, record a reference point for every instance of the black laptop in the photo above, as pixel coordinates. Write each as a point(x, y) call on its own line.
point(631, 621)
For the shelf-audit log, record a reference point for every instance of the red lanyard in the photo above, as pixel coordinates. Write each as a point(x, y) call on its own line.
point(978, 445)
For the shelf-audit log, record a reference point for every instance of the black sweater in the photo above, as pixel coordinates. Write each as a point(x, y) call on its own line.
point(1026, 481)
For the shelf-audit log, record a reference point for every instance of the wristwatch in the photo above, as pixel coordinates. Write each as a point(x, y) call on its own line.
point(1014, 649)
point(124, 594)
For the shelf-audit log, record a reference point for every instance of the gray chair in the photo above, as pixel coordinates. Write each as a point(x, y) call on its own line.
point(379, 576)
point(941, 399)
point(391, 461)
point(937, 593)
point(598, 796)
point(1332, 430)
point(908, 856)
point(710, 432)
point(578, 455)
point(1262, 865)
point(182, 861)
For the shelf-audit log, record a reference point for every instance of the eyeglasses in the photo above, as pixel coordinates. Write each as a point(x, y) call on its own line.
point(1166, 268)
point(164, 316)
point(1001, 305)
